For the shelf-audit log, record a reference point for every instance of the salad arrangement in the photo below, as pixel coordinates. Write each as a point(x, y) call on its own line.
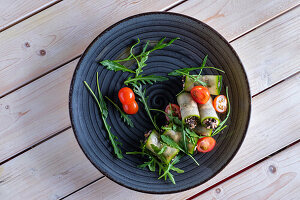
point(190, 125)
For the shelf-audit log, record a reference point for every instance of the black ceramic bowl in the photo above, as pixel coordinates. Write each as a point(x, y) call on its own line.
point(196, 40)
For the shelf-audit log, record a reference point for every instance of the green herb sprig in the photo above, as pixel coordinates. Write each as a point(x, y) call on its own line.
point(138, 90)
point(187, 134)
point(158, 161)
point(139, 79)
point(145, 79)
point(115, 65)
point(124, 116)
point(104, 114)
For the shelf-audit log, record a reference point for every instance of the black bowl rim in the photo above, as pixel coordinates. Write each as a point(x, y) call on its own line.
point(158, 13)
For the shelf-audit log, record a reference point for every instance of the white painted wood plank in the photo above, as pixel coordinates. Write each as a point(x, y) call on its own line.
point(59, 34)
point(233, 18)
point(35, 112)
point(14, 11)
point(283, 58)
point(49, 37)
point(48, 171)
point(275, 178)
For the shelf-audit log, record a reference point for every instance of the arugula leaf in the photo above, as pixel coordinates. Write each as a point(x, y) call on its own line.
point(103, 107)
point(161, 45)
point(180, 171)
point(145, 79)
point(184, 71)
point(192, 133)
point(158, 153)
point(145, 47)
point(104, 113)
point(169, 167)
point(144, 55)
point(184, 138)
point(141, 63)
point(153, 162)
point(174, 119)
point(115, 66)
point(124, 116)
point(142, 94)
point(202, 66)
point(170, 142)
point(162, 150)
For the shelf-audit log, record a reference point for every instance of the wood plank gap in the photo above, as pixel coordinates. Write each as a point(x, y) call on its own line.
point(265, 22)
point(98, 179)
point(35, 145)
point(175, 5)
point(72, 59)
point(42, 75)
point(295, 74)
point(30, 62)
point(243, 170)
point(30, 15)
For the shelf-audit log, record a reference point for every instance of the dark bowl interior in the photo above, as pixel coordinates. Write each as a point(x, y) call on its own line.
point(196, 40)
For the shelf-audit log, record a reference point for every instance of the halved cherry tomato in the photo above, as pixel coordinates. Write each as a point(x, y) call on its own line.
point(126, 95)
point(206, 144)
point(175, 109)
point(200, 94)
point(131, 108)
point(220, 104)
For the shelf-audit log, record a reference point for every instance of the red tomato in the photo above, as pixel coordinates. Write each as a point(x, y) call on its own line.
point(220, 103)
point(200, 94)
point(175, 109)
point(131, 108)
point(206, 144)
point(126, 95)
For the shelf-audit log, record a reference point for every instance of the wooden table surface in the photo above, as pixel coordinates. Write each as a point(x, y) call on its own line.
point(40, 43)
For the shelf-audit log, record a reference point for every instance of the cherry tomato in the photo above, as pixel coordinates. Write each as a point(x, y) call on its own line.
point(200, 94)
point(206, 144)
point(131, 108)
point(220, 103)
point(126, 95)
point(175, 109)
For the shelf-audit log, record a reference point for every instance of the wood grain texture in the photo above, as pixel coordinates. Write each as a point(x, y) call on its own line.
point(59, 34)
point(12, 12)
point(49, 171)
point(275, 178)
point(283, 58)
point(19, 131)
point(61, 153)
point(33, 113)
point(255, 147)
point(233, 18)
point(49, 37)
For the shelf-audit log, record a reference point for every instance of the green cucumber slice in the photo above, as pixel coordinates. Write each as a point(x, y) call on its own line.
point(154, 139)
point(202, 131)
point(214, 83)
point(177, 137)
point(207, 111)
point(188, 107)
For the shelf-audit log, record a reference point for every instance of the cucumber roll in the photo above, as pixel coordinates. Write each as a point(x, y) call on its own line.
point(214, 83)
point(177, 137)
point(154, 139)
point(189, 110)
point(200, 130)
point(209, 117)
